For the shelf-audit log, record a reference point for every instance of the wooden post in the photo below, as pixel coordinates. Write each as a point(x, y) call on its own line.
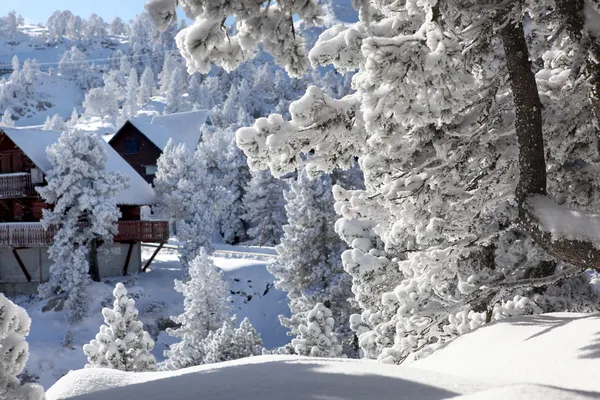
point(20, 262)
point(152, 257)
point(126, 267)
point(40, 264)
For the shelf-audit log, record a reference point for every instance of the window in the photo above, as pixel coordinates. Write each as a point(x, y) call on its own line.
point(132, 146)
point(151, 169)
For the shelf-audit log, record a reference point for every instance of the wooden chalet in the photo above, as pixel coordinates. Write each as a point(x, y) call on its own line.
point(24, 260)
point(141, 140)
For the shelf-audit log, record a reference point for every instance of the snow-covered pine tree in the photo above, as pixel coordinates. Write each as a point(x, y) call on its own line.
point(206, 307)
point(14, 352)
point(7, 119)
point(227, 165)
point(117, 27)
point(309, 267)
point(122, 342)
point(74, 120)
point(190, 196)
point(73, 65)
point(82, 191)
point(264, 209)
point(230, 343)
point(130, 107)
point(147, 86)
point(55, 123)
point(315, 337)
point(176, 88)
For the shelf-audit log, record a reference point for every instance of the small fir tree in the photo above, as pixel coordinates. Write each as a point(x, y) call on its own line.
point(206, 307)
point(264, 209)
point(316, 337)
point(122, 342)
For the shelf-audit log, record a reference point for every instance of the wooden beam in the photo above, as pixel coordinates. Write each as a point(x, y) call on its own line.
point(126, 267)
point(152, 257)
point(20, 262)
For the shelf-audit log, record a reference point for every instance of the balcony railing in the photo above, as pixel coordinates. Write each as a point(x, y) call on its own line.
point(31, 234)
point(15, 185)
point(143, 231)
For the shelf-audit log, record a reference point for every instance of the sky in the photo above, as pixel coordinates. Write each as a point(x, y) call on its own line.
point(35, 11)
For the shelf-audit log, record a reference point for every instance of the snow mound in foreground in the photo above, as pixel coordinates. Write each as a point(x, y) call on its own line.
point(551, 356)
point(528, 392)
point(264, 378)
point(559, 349)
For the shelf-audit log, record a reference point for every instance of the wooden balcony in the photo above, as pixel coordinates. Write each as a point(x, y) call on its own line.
point(143, 231)
point(15, 185)
point(31, 234)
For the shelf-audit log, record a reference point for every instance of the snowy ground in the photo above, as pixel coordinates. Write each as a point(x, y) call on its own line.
point(252, 292)
point(554, 356)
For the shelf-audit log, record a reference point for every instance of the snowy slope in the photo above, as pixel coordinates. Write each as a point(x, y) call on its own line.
point(265, 378)
point(253, 296)
point(552, 356)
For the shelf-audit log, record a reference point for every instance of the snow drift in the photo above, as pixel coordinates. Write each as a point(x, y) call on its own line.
point(551, 356)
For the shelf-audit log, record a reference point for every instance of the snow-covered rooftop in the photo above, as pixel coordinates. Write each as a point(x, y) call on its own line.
point(181, 127)
point(34, 141)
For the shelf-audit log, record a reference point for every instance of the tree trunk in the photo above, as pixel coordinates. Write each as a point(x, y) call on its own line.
point(532, 164)
point(94, 269)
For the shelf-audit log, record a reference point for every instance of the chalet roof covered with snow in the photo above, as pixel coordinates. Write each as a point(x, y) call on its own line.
point(34, 141)
point(181, 127)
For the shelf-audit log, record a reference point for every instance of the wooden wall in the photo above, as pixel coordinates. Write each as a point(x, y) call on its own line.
point(148, 154)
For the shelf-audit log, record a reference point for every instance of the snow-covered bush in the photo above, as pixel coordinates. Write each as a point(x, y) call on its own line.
point(122, 342)
point(206, 307)
point(84, 197)
point(315, 338)
point(14, 352)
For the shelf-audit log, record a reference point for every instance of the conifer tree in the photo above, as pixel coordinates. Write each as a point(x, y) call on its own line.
point(82, 191)
point(7, 119)
point(122, 342)
point(230, 343)
point(14, 352)
point(264, 209)
point(147, 86)
point(206, 307)
point(74, 119)
point(309, 267)
point(175, 90)
point(315, 337)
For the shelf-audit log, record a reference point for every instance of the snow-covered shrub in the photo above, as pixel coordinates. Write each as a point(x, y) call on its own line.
point(14, 352)
point(316, 337)
point(84, 197)
point(206, 307)
point(122, 342)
